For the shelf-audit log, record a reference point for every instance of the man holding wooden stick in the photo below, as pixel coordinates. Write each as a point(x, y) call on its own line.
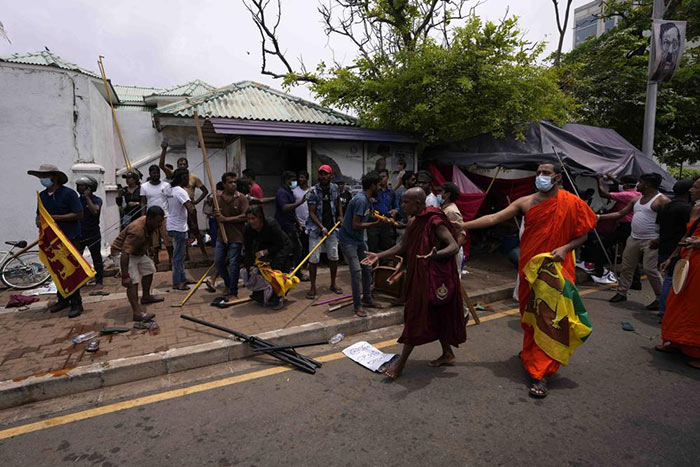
point(232, 215)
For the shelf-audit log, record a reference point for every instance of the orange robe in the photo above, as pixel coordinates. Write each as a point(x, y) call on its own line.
point(681, 323)
point(549, 225)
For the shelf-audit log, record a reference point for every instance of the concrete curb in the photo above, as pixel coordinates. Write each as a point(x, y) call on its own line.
point(125, 370)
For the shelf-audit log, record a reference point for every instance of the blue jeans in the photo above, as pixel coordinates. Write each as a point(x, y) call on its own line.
point(213, 230)
point(179, 250)
point(360, 276)
point(228, 263)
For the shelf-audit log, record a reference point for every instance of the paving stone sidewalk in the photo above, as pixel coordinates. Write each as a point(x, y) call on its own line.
point(38, 342)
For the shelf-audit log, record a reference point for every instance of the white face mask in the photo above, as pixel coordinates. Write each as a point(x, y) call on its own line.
point(544, 183)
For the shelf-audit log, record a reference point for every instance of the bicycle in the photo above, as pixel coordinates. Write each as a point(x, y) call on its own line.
point(26, 271)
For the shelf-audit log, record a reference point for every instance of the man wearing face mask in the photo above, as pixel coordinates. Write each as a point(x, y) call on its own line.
point(556, 222)
point(63, 204)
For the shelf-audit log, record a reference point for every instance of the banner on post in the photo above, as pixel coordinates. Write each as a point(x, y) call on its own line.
point(67, 267)
point(667, 45)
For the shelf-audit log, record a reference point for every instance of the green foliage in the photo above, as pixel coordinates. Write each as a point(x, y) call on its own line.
point(484, 79)
point(680, 172)
point(607, 78)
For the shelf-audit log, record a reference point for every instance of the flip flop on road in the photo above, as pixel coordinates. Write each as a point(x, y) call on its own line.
point(372, 304)
point(151, 299)
point(538, 389)
point(310, 295)
point(668, 348)
point(209, 284)
point(336, 290)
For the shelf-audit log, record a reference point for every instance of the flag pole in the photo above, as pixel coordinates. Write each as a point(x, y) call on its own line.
point(114, 114)
point(207, 167)
point(498, 170)
point(573, 185)
point(314, 249)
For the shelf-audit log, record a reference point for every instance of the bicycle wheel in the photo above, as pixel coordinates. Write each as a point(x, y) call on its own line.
point(24, 272)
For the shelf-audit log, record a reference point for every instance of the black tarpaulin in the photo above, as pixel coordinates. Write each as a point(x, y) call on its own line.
point(586, 150)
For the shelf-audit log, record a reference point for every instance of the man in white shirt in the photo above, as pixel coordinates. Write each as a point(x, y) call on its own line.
point(424, 180)
point(302, 211)
point(179, 205)
point(152, 195)
point(644, 230)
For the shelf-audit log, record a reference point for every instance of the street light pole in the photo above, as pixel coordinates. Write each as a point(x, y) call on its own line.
point(652, 90)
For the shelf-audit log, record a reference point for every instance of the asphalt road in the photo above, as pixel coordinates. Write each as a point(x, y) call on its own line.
point(619, 402)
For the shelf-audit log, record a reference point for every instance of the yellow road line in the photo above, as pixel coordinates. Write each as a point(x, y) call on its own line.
point(175, 393)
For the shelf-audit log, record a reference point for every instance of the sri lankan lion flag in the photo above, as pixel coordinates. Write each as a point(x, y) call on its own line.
point(67, 267)
point(555, 309)
point(281, 283)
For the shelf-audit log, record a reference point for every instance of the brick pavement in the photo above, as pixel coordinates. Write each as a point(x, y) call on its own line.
point(38, 342)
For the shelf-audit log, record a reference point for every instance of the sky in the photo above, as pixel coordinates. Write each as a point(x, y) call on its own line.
point(165, 43)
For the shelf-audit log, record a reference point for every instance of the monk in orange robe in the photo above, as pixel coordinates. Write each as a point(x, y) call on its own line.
point(680, 328)
point(434, 309)
point(556, 222)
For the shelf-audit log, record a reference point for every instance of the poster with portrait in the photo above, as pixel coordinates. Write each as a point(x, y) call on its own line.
point(344, 157)
point(667, 45)
point(394, 157)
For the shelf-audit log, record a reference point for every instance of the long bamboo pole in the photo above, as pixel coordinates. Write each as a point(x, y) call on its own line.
point(194, 289)
point(493, 179)
point(314, 249)
point(114, 114)
point(208, 169)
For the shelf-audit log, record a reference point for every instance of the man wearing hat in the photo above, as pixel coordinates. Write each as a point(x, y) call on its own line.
point(63, 204)
point(90, 236)
point(323, 214)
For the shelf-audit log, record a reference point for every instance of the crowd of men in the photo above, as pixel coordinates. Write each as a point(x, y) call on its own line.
point(393, 214)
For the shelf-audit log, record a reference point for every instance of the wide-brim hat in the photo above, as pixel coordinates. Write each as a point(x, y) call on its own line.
point(49, 169)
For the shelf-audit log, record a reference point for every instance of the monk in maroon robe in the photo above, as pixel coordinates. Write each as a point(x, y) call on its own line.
point(434, 309)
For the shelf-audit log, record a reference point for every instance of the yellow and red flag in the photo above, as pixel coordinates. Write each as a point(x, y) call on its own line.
point(67, 267)
point(281, 283)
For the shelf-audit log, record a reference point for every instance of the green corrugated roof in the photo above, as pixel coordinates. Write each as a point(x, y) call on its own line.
point(254, 101)
point(46, 58)
point(191, 89)
point(134, 94)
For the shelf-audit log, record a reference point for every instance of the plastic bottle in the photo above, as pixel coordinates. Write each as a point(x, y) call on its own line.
point(84, 337)
point(337, 338)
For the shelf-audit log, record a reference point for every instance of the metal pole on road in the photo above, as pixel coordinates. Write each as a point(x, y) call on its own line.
point(652, 90)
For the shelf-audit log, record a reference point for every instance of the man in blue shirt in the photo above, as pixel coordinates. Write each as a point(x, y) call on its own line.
point(90, 236)
point(382, 237)
point(285, 214)
point(63, 204)
point(353, 242)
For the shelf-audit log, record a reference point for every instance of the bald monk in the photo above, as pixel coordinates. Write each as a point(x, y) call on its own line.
point(556, 222)
point(433, 309)
point(680, 328)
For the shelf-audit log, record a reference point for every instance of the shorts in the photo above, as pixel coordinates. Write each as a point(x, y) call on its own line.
point(329, 247)
point(140, 266)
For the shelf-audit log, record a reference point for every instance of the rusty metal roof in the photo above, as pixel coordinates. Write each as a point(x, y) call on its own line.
point(254, 101)
point(46, 58)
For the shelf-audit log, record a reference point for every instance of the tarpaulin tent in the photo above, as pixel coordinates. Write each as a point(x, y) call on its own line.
point(586, 150)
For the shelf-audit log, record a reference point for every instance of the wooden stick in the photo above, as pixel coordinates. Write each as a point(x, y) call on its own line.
point(498, 170)
point(194, 289)
point(28, 247)
point(114, 114)
point(470, 305)
point(331, 300)
point(208, 169)
point(314, 249)
point(338, 307)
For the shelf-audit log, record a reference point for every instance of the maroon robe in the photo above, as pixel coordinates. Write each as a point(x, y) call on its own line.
point(423, 321)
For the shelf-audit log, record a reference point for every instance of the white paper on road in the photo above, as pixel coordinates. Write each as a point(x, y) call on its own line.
point(368, 355)
point(46, 289)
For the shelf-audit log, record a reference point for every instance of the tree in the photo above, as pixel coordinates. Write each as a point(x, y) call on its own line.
point(607, 77)
point(425, 66)
point(561, 27)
